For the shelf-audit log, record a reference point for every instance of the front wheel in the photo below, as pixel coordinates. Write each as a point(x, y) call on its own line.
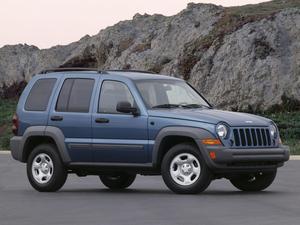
point(118, 180)
point(254, 182)
point(184, 170)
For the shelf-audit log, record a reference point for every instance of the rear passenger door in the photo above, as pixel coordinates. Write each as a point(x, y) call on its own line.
point(72, 114)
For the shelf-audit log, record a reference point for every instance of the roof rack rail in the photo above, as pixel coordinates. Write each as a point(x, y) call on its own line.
point(132, 71)
point(70, 69)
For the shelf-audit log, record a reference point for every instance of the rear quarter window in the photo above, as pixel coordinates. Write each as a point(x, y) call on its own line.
point(39, 95)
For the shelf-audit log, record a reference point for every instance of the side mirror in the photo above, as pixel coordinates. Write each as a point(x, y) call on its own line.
point(125, 107)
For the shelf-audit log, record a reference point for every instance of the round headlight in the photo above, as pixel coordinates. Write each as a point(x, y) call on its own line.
point(273, 131)
point(222, 130)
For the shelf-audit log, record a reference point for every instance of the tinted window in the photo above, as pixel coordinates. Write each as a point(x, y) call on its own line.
point(75, 95)
point(39, 95)
point(113, 92)
point(64, 95)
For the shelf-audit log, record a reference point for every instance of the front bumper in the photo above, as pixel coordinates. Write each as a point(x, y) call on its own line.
point(246, 160)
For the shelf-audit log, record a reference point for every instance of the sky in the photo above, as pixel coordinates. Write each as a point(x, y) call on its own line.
point(45, 23)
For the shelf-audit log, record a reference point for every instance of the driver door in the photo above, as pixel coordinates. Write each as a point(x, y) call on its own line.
point(118, 137)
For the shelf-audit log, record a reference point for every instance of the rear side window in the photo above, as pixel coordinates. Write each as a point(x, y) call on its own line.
point(39, 95)
point(75, 95)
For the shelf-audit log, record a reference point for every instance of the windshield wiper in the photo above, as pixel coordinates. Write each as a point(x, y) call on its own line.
point(167, 106)
point(188, 106)
point(194, 106)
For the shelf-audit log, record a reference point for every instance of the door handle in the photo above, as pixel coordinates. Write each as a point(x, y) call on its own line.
point(101, 120)
point(56, 118)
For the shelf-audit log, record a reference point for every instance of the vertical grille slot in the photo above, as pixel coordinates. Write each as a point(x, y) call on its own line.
point(249, 141)
point(268, 136)
point(263, 134)
point(254, 137)
point(236, 137)
point(251, 137)
point(243, 139)
point(259, 137)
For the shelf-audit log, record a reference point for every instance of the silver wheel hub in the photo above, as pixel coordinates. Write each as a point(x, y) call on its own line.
point(42, 168)
point(185, 169)
point(45, 168)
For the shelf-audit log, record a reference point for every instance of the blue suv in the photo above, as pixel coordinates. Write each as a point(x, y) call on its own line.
point(116, 124)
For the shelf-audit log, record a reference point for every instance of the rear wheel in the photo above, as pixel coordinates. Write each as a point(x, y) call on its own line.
point(254, 182)
point(118, 180)
point(45, 170)
point(184, 170)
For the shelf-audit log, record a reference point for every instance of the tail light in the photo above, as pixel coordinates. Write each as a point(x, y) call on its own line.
point(15, 126)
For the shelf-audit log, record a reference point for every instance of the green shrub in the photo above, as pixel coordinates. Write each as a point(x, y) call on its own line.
point(7, 109)
point(289, 126)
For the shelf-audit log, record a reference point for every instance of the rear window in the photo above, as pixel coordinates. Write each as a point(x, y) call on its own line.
point(39, 95)
point(75, 95)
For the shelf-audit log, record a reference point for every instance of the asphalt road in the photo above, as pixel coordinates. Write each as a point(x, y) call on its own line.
point(85, 201)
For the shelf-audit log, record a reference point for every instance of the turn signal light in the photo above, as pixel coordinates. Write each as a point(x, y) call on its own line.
point(211, 141)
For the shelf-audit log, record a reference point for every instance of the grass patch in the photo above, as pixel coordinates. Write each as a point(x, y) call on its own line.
point(7, 109)
point(289, 127)
point(263, 8)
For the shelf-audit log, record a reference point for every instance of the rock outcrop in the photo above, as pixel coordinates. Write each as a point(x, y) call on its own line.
point(238, 59)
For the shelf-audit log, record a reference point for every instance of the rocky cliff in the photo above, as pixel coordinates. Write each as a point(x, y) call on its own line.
point(242, 58)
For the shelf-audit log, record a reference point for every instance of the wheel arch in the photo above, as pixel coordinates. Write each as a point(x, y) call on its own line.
point(33, 141)
point(37, 135)
point(170, 136)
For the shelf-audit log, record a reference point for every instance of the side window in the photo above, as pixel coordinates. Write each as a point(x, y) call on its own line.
point(75, 95)
point(113, 92)
point(39, 95)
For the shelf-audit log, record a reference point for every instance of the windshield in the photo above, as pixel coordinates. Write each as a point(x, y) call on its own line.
point(169, 94)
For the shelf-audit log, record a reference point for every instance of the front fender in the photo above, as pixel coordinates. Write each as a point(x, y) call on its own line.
point(197, 134)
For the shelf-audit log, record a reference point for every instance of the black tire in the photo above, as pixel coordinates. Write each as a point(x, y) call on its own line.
point(59, 172)
point(118, 180)
point(254, 182)
point(200, 184)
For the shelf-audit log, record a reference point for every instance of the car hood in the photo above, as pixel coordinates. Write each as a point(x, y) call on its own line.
point(211, 116)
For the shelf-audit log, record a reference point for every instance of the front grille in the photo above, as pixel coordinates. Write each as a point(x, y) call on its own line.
point(251, 137)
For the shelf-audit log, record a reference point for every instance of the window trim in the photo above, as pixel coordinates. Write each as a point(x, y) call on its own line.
point(111, 113)
point(207, 102)
point(69, 95)
point(47, 105)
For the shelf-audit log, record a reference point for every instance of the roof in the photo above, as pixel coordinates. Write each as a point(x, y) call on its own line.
point(130, 74)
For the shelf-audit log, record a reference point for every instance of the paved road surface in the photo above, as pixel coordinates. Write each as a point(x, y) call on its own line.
point(85, 201)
